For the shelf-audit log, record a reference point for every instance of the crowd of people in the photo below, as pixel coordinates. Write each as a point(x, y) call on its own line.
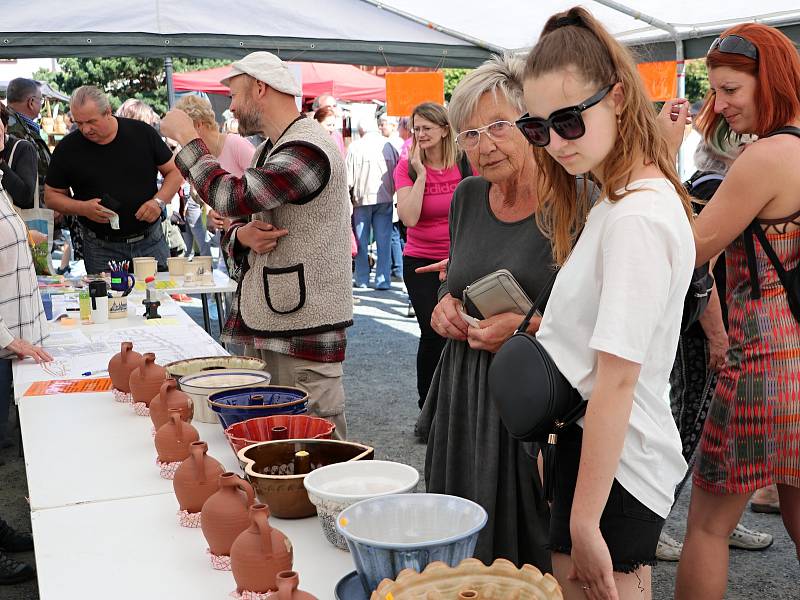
point(555, 169)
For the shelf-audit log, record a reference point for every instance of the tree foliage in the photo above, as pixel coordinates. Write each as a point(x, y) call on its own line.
point(696, 80)
point(451, 79)
point(123, 77)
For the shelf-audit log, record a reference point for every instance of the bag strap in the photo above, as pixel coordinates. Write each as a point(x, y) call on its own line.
point(772, 255)
point(752, 265)
point(704, 179)
point(789, 129)
point(11, 156)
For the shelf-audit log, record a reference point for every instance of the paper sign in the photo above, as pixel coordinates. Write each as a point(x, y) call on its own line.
point(659, 79)
point(68, 386)
point(404, 91)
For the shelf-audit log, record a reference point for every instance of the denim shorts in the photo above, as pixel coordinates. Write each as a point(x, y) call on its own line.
point(630, 529)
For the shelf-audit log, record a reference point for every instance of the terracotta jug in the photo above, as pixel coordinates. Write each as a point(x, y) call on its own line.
point(197, 478)
point(146, 379)
point(287, 587)
point(259, 554)
point(169, 396)
point(174, 438)
point(226, 514)
point(122, 365)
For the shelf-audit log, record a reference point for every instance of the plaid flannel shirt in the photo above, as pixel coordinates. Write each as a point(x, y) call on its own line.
point(292, 173)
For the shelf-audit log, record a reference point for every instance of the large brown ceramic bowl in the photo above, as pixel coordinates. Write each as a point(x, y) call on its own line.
point(471, 579)
point(269, 466)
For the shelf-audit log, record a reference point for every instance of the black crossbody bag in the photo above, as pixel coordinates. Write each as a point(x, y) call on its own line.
point(534, 399)
point(790, 280)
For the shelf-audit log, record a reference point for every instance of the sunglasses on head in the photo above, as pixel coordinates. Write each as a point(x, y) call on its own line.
point(566, 122)
point(734, 44)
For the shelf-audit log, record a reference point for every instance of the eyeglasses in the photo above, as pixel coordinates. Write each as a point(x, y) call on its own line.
point(566, 122)
point(734, 44)
point(424, 129)
point(497, 131)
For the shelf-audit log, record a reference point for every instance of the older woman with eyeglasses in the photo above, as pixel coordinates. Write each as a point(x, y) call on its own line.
point(492, 226)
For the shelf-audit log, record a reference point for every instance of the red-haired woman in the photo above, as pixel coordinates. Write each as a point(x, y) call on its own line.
point(752, 435)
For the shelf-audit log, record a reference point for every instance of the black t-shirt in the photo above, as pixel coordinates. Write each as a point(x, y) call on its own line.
point(126, 169)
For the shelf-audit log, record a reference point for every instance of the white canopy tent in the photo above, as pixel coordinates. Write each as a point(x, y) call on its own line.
point(446, 33)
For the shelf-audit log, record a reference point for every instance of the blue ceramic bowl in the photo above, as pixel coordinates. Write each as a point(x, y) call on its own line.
point(387, 534)
point(238, 404)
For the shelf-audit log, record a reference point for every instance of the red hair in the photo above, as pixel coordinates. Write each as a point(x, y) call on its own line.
point(777, 74)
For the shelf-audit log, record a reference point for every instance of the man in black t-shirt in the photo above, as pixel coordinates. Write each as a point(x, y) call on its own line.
point(112, 162)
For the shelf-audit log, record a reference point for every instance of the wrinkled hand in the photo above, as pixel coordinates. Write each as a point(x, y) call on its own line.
point(92, 210)
point(440, 267)
point(23, 348)
point(672, 120)
point(259, 236)
point(494, 331)
point(717, 351)
point(149, 212)
point(216, 222)
point(591, 564)
point(446, 319)
point(177, 125)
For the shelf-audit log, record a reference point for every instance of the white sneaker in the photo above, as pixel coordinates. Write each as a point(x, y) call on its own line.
point(668, 548)
point(746, 539)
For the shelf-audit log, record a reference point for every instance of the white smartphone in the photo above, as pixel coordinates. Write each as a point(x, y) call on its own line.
point(471, 321)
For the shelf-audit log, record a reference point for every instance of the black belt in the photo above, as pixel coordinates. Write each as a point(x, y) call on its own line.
point(130, 238)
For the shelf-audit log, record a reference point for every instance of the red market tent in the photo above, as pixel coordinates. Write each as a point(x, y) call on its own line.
point(344, 82)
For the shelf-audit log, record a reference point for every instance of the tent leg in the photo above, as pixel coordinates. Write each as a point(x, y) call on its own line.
point(170, 83)
point(680, 75)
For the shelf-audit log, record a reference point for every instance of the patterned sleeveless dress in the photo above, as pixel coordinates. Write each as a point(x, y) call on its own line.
point(752, 434)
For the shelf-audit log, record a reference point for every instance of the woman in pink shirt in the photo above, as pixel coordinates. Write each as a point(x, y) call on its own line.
point(425, 182)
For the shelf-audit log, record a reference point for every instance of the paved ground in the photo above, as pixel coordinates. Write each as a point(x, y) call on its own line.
point(382, 408)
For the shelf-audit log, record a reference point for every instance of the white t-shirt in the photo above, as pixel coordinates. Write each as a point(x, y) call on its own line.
point(622, 292)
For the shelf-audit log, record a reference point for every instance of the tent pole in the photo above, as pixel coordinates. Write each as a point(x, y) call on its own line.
point(451, 32)
point(170, 83)
point(669, 28)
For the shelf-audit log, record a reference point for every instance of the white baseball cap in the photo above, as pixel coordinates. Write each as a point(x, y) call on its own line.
point(268, 68)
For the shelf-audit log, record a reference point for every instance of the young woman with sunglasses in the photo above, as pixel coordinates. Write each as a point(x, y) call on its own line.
point(425, 181)
point(613, 318)
point(752, 434)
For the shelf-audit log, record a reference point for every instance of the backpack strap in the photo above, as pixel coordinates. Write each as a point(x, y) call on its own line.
point(13, 150)
point(789, 130)
point(754, 229)
point(704, 179)
point(752, 265)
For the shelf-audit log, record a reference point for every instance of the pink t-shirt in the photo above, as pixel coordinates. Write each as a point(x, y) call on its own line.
point(430, 237)
point(236, 155)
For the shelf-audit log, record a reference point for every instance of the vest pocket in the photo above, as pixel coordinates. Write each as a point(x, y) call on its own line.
point(284, 288)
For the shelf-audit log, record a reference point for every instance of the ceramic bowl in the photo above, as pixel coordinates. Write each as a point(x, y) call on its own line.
point(335, 487)
point(298, 427)
point(502, 577)
point(269, 466)
point(408, 531)
point(200, 377)
point(242, 403)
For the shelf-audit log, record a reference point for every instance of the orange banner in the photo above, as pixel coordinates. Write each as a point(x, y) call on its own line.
point(69, 386)
point(659, 79)
point(404, 91)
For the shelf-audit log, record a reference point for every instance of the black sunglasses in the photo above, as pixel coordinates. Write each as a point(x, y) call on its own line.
point(735, 44)
point(566, 122)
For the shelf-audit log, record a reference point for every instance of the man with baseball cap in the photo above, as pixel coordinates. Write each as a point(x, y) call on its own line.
point(293, 257)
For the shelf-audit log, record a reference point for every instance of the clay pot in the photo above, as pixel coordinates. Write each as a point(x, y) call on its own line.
point(122, 365)
point(146, 379)
point(259, 554)
point(226, 513)
point(197, 478)
point(174, 438)
point(287, 587)
point(169, 396)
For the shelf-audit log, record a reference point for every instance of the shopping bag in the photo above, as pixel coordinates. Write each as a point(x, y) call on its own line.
point(37, 219)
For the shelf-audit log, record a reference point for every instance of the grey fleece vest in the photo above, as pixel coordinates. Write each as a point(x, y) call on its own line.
point(304, 285)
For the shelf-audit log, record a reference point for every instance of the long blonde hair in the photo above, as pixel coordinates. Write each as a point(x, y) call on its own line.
point(574, 38)
point(436, 113)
